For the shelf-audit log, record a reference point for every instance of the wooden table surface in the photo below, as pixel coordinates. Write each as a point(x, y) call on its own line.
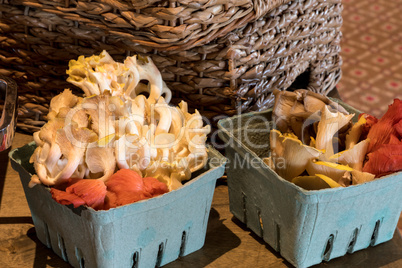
point(228, 242)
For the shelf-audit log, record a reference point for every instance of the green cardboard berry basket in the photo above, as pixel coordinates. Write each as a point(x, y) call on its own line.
point(147, 233)
point(305, 227)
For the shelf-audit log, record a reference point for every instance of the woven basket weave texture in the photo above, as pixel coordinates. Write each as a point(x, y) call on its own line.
point(222, 56)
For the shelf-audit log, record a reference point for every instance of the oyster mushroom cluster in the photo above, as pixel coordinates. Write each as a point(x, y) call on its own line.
point(116, 126)
point(316, 144)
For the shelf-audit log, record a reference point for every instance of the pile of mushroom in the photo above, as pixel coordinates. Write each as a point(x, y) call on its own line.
point(316, 144)
point(114, 126)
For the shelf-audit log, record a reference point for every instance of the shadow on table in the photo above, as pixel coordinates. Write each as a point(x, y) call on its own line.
point(261, 241)
point(219, 240)
point(371, 257)
point(44, 256)
point(15, 220)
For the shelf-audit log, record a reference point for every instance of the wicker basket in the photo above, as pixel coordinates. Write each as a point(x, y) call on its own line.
point(223, 57)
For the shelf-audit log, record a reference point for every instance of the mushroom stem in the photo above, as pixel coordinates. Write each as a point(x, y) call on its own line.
point(165, 117)
point(330, 124)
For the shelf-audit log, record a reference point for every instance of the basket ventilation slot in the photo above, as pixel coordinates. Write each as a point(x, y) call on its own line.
point(183, 243)
point(353, 240)
point(47, 235)
point(374, 236)
point(328, 248)
point(278, 238)
point(62, 248)
point(82, 263)
point(80, 258)
point(244, 201)
point(160, 255)
point(135, 259)
point(260, 223)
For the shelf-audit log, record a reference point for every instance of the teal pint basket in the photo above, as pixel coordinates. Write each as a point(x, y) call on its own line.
point(148, 233)
point(305, 227)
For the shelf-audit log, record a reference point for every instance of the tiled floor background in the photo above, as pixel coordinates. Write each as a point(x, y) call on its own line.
point(372, 54)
